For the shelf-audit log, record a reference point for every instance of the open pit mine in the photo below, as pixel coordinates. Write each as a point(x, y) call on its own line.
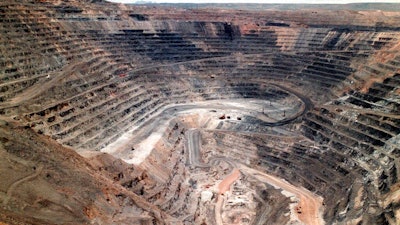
point(146, 114)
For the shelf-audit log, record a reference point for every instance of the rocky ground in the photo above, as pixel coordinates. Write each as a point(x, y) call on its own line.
point(143, 114)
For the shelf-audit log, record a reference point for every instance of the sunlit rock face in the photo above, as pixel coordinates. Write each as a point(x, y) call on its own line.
point(119, 114)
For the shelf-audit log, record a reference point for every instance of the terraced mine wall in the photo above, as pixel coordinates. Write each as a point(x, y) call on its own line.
point(91, 75)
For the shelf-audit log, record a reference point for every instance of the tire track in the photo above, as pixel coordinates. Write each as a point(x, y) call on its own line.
point(13, 186)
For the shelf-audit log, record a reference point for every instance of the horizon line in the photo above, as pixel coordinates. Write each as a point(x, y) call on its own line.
point(281, 2)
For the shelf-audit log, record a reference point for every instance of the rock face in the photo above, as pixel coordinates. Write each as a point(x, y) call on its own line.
point(117, 114)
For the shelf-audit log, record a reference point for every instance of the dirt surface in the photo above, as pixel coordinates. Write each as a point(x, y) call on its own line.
point(308, 207)
point(226, 183)
point(146, 136)
point(41, 189)
point(147, 114)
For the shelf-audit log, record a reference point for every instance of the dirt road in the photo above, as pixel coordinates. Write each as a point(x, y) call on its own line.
point(193, 148)
point(223, 187)
point(309, 207)
point(155, 125)
point(13, 186)
point(226, 183)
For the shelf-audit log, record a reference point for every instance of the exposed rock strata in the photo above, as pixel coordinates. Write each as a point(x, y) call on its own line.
point(165, 103)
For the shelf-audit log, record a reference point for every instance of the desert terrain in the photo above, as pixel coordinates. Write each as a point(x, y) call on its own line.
point(174, 114)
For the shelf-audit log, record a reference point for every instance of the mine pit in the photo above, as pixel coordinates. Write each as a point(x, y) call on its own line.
point(215, 114)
